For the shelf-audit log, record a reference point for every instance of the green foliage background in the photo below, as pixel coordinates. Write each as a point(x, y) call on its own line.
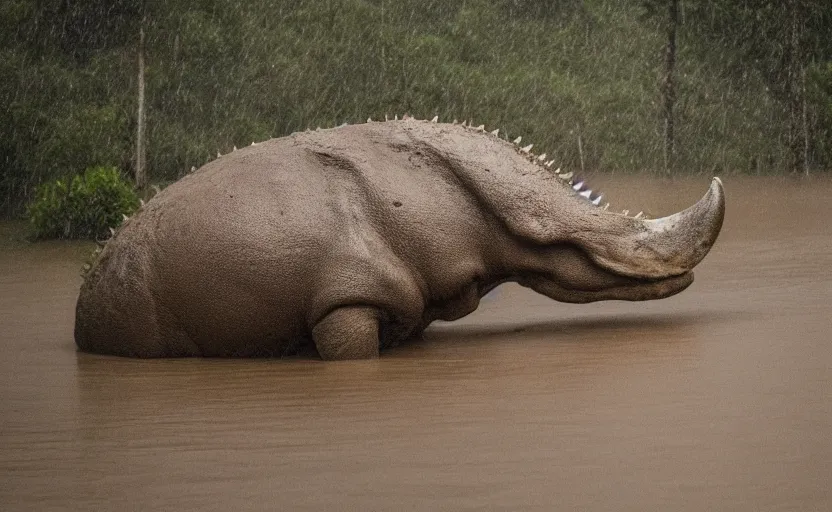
point(223, 73)
point(84, 206)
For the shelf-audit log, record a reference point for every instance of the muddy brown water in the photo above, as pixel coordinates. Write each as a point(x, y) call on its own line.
point(717, 399)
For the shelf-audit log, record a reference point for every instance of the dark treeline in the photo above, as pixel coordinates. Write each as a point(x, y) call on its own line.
point(749, 87)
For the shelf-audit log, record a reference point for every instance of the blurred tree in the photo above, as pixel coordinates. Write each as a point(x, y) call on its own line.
point(667, 12)
point(140, 168)
point(784, 41)
point(668, 90)
point(220, 73)
point(795, 65)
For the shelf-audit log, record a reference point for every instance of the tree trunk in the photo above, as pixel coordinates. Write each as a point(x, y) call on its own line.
point(668, 90)
point(796, 88)
point(805, 127)
point(141, 171)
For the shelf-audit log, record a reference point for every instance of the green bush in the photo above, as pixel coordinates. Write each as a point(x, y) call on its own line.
point(86, 206)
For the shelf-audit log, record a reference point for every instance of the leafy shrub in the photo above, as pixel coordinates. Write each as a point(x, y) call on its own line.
point(86, 206)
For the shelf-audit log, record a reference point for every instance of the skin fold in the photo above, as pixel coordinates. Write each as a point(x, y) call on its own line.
point(357, 237)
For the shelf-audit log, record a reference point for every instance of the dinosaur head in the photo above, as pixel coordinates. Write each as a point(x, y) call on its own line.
point(562, 242)
point(604, 255)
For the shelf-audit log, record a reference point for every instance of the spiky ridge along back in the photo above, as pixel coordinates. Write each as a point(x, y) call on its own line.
point(579, 186)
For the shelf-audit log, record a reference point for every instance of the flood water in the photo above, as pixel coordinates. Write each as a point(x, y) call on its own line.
point(717, 399)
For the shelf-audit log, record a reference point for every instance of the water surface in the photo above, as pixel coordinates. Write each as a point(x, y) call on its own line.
point(717, 399)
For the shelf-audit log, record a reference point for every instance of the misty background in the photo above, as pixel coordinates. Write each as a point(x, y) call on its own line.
point(157, 88)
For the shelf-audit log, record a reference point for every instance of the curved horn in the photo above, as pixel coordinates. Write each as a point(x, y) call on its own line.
point(664, 247)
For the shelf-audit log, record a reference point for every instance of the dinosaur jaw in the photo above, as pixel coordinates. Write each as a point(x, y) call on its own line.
point(627, 289)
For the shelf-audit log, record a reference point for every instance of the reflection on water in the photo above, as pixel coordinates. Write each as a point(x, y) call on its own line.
point(714, 399)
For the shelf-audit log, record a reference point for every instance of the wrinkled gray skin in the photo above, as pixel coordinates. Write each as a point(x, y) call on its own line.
point(357, 237)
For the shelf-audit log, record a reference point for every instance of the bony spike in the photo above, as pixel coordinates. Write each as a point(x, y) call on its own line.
point(542, 157)
point(481, 128)
point(496, 132)
point(527, 149)
point(369, 119)
point(518, 140)
point(435, 119)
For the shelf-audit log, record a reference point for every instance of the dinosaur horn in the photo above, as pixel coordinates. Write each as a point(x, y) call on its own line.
point(657, 248)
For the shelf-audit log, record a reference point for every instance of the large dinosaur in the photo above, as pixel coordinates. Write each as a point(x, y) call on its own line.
point(356, 237)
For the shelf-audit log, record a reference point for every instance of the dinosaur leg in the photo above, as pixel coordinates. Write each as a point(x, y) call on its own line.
point(348, 333)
